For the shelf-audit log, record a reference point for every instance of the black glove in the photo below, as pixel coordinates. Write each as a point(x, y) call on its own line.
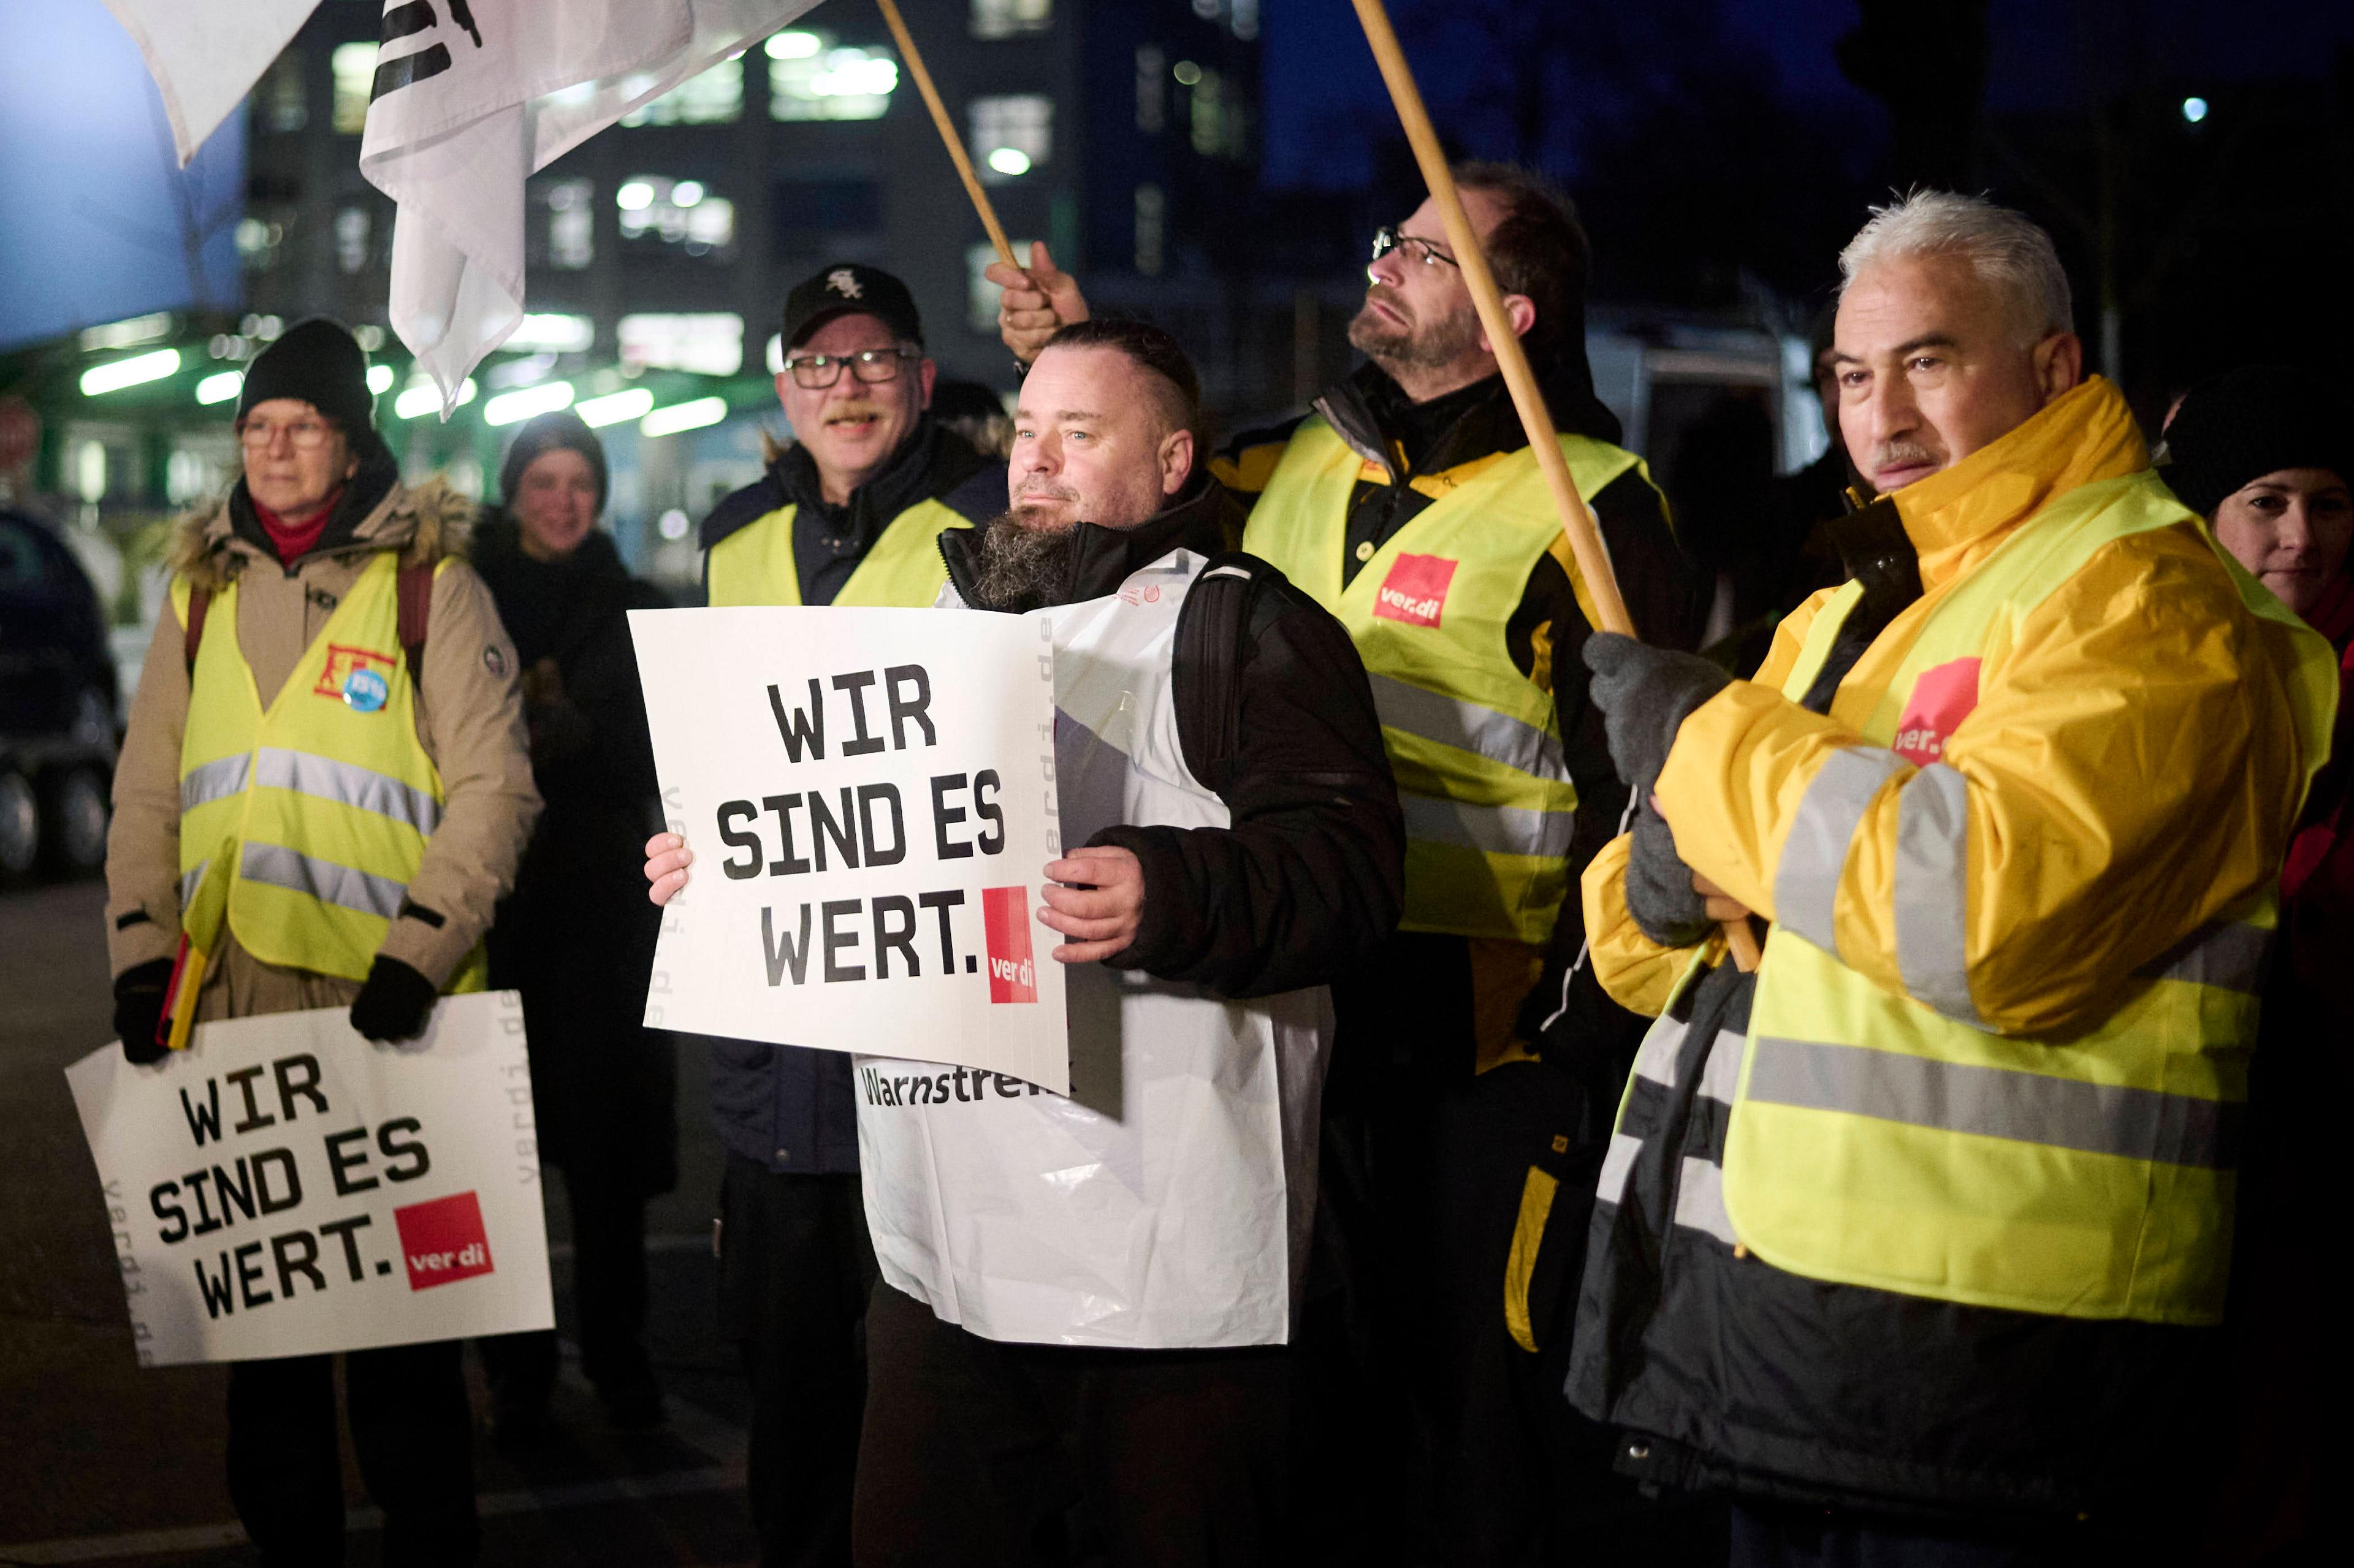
point(1660, 893)
point(395, 1002)
point(1645, 696)
point(139, 1009)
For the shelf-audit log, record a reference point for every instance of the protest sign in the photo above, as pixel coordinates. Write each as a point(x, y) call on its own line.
point(870, 798)
point(283, 1187)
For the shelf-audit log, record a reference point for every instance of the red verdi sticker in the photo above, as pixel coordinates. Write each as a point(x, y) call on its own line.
point(343, 663)
point(442, 1241)
point(1942, 698)
point(1005, 923)
point(1416, 589)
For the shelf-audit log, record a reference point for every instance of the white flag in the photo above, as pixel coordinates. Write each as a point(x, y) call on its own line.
point(471, 97)
point(205, 55)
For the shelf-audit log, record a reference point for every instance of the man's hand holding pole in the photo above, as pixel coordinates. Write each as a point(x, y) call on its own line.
point(1584, 542)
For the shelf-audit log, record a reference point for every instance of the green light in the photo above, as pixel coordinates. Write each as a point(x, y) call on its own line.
point(101, 379)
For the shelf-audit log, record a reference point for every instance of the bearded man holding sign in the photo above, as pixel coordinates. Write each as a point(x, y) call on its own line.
point(1242, 848)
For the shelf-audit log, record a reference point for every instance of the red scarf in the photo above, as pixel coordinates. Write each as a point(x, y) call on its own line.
point(292, 541)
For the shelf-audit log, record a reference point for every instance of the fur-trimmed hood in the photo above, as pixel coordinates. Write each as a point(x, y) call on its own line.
point(424, 522)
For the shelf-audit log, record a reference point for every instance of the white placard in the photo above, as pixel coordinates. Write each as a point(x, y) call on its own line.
point(284, 1187)
point(870, 798)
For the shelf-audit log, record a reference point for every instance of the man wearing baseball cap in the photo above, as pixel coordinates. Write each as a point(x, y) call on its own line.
point(850, 514)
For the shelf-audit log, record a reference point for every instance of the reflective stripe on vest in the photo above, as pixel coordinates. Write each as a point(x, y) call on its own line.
point(754, 564)
point(325, 798)
point(1475, 744)
point(1890, 1141)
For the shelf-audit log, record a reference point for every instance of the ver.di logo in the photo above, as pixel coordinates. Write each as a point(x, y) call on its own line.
point(359, 678)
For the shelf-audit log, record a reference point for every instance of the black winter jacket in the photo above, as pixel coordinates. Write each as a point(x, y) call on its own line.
point(1275, 716)
point(576, 935)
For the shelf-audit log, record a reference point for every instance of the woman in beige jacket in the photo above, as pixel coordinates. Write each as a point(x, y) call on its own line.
point(320, 501)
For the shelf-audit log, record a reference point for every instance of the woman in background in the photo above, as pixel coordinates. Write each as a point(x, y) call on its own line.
point(2265, 453)
point(577, 937)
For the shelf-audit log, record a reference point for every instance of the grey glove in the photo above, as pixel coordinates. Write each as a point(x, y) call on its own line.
point(1645, 696)
point(1660, 893)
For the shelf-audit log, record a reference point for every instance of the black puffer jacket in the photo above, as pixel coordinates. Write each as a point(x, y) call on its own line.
point(1275, 715)
point(577, 937)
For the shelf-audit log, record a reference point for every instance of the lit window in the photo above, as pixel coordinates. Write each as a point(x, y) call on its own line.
point(200, 465)
point(981, 294)
point(714, 97)
point(810, 78)
point(354, 68)
point(1219, 125)
point(279, 97)
point(676, 212)
point(1011, 18)
point(1152, 229)
point(709, 345)
point(571, 222)
point(1011, 135)
point(151, 328)
point(259, 243)
point(1151, 92)
point(352, 227)
point(555, 333)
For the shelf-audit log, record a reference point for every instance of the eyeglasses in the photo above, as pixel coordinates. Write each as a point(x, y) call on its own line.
point(303, 435)
point(816, 372)
point(1387, 238)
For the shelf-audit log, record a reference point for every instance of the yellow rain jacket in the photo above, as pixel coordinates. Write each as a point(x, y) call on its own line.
point(2109, 815)
point(1975, 1113)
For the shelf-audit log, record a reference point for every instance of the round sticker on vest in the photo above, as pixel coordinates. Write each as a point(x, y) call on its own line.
point(365, 691)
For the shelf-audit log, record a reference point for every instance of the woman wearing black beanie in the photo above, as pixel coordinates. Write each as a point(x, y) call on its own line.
point(577, 937)
point(2266, 454)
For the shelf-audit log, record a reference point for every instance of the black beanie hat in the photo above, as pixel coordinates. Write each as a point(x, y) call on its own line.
point(2252, 421)
point(316, 362)
point(545, 434)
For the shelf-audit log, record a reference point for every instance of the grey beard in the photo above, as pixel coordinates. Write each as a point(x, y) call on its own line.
point(1019, 569)
point(1440, 342)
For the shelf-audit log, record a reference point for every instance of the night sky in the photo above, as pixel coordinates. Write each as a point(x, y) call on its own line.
point(2047, 54)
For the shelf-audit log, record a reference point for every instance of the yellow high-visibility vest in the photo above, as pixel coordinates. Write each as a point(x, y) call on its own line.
point(754, 564)
point(314, 810)
point(1475, 744)
point(1875, 1140)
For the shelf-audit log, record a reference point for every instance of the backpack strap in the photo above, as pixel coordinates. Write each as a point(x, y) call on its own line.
point(1216, 638)
point(414, 595)
point(200, 604)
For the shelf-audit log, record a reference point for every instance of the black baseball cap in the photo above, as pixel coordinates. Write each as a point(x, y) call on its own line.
point(849, 289)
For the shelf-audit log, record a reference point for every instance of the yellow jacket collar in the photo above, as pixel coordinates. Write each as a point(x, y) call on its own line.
point(1957, 516)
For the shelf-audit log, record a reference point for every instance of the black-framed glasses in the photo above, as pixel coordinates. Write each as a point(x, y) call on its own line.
point(816, 372)
point(1387, 238)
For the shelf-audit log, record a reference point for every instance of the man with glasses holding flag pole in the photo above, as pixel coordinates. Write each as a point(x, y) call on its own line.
point(850, 513)
point(1409, 504)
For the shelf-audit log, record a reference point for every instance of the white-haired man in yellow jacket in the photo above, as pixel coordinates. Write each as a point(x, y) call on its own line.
point(1914, 1240)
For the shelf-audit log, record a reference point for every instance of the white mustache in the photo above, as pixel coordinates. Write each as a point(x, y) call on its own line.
point(1896, 452)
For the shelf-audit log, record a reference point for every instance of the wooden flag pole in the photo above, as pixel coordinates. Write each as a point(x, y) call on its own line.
point(957, 153)
point(1536, 420)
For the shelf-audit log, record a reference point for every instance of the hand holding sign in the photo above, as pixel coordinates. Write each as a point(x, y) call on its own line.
point(279, 1189)
point(872, 787)
point(1097, 904)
